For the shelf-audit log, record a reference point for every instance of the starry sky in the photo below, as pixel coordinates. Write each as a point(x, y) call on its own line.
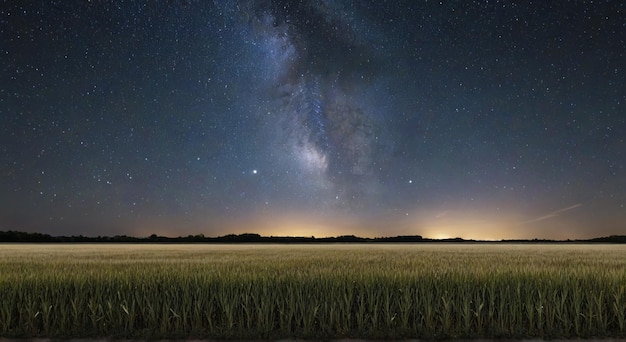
point(474, 119)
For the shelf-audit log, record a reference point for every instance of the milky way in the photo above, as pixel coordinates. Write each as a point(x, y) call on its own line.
point(479, 119)
point(314, 106)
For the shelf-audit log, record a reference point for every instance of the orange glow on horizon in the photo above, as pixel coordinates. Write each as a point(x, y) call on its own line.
point(438, 223)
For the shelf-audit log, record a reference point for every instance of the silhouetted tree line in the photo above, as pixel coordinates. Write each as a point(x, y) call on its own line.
point(17, 236)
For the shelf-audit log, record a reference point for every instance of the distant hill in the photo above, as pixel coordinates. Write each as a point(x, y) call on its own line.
point(17, 236)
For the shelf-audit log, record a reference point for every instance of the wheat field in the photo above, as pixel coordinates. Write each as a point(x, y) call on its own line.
point(374, 291)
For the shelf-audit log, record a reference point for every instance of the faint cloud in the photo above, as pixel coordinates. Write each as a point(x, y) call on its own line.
point(442, 214)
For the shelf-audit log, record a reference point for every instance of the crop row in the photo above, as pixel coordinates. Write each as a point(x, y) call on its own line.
point(227, 299)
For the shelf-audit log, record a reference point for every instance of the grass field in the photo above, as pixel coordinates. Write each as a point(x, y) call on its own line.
point(313, 291)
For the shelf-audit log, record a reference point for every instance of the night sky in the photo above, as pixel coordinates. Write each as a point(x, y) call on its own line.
point(477, 119)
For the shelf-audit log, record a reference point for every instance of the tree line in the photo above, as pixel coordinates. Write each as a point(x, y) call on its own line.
point(18, 236)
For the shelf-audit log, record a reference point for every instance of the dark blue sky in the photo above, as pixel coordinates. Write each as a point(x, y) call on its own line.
point(478, 119)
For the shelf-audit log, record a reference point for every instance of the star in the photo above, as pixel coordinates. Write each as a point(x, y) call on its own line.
point(342, 104)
